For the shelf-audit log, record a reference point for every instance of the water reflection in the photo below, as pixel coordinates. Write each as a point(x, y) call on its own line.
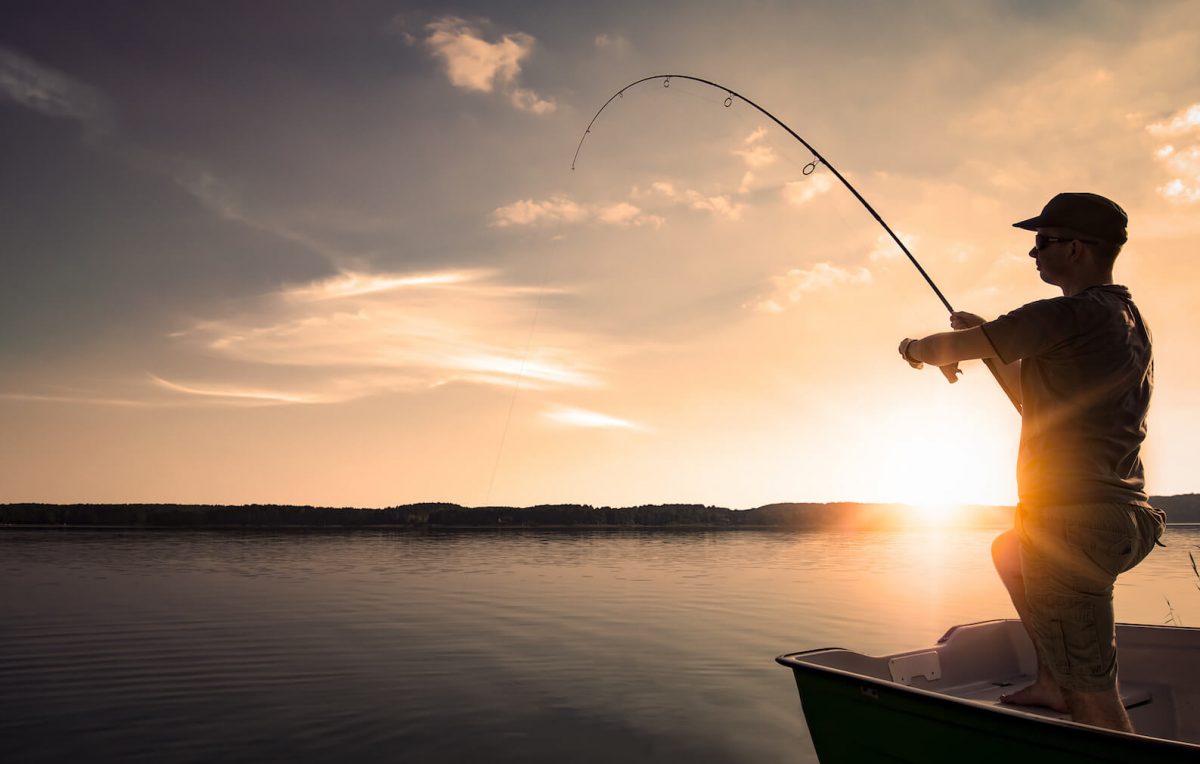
point(588, 646)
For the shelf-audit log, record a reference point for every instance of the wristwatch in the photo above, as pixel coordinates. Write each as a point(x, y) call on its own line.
point(904, 352)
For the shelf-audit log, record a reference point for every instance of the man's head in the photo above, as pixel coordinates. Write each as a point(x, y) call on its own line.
point(1089, 217)
point(1079, 235)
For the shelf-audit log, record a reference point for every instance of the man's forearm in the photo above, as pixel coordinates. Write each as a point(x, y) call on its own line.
point(948, 347)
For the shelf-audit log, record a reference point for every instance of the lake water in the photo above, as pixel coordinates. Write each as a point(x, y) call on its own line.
point(471, 646)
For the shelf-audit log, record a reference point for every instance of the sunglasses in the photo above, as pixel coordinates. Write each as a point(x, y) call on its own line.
point(1041, 241)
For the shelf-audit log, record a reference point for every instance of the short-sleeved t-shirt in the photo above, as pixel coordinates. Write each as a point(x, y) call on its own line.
point(1087, 371)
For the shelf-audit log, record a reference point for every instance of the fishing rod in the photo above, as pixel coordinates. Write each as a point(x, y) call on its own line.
point(809, 169)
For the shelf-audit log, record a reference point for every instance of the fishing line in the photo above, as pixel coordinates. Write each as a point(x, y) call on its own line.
point(512, 399)
point(731, 96)
point(539, 294)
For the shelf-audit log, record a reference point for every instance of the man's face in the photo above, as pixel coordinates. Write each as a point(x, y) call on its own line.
point(1052, 253)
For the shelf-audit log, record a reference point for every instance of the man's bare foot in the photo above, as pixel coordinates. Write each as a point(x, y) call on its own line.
point(1046, 694)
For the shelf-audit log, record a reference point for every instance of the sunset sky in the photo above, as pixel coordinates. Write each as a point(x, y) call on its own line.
point(334, 253)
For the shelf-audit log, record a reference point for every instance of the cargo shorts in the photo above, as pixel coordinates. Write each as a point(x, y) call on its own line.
point(1070, 558)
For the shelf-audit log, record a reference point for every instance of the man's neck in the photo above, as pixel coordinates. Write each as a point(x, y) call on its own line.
point(1086, 282)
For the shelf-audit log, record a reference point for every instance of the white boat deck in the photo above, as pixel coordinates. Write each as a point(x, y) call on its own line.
point(1133, 695)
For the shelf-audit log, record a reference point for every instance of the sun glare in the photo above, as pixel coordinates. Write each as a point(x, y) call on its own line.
point(937, 514)
point(934, 458)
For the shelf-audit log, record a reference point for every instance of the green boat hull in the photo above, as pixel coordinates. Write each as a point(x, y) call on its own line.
point(856, 719)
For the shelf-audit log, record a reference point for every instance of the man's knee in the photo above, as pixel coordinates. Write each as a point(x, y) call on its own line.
point(1006, 555)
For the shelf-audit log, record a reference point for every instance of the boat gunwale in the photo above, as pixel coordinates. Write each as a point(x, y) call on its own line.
point(953, 629)
point(791, 660)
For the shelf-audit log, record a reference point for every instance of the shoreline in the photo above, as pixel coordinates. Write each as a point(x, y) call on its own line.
point(1181, 510)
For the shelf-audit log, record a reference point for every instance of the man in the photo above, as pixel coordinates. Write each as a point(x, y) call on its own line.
point(1081, 368)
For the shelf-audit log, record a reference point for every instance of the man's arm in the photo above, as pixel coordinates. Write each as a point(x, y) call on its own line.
point(946, 349)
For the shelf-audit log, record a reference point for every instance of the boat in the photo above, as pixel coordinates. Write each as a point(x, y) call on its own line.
point(942, 704)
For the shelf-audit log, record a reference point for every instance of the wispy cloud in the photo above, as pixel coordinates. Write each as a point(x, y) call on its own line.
point(665, 188)
point(800, 192)
point(790, 287)
point(754, 152)
point(477, 64)
point(611, 43)
point(561, 210)
point(624, 213)
point(357, 284)
point(359, 334)
point(1183, 122)
point(86, 400)
point(240, 394)
point(50, 92)
point(719, 205)
point(885, 248)
point(574, 417)
point(212, 193)
point(525, 212)
point(1179, 155)
point(224, 199)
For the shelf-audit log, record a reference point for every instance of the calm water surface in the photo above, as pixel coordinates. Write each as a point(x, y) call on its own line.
point(470, 646)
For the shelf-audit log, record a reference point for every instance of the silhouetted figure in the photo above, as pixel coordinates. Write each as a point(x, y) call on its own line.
point(1083, 367)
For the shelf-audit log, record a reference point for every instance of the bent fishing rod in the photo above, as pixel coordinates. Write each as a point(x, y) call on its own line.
point(808, 169)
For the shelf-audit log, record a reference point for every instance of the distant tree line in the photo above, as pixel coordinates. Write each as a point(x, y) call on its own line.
point(1180, 509)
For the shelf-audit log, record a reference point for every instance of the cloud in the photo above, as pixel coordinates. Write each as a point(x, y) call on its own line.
point(358, 334)
point(87, 400)
point(790, 287)
point(621, 213)
point(53, 93)
point(719, 206)
point(556, 209)
point(561, 210)
point(573, 417)
point(527, 100)
point(614, 43)
point(358, 284)
point(1180, 158)
point(754, 153)
point(885, 248)
point(213, 194)
point(747, 184)
point(240, 394)
point(224, 200)
point(1185, 187)
point(475, 64)
point(800, 192)
point(1182, 122)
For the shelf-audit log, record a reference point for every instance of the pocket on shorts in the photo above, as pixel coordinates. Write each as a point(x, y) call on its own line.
point(1110, 550)
point(1078, 644)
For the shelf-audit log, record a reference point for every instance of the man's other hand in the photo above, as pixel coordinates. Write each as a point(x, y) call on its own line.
point(960, 319)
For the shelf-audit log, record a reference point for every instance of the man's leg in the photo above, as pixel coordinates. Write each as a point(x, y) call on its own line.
point(1006, 555)
point(1102, 709)
point(1070, 559)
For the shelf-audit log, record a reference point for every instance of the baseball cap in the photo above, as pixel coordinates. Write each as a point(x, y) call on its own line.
point(1083, 213)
